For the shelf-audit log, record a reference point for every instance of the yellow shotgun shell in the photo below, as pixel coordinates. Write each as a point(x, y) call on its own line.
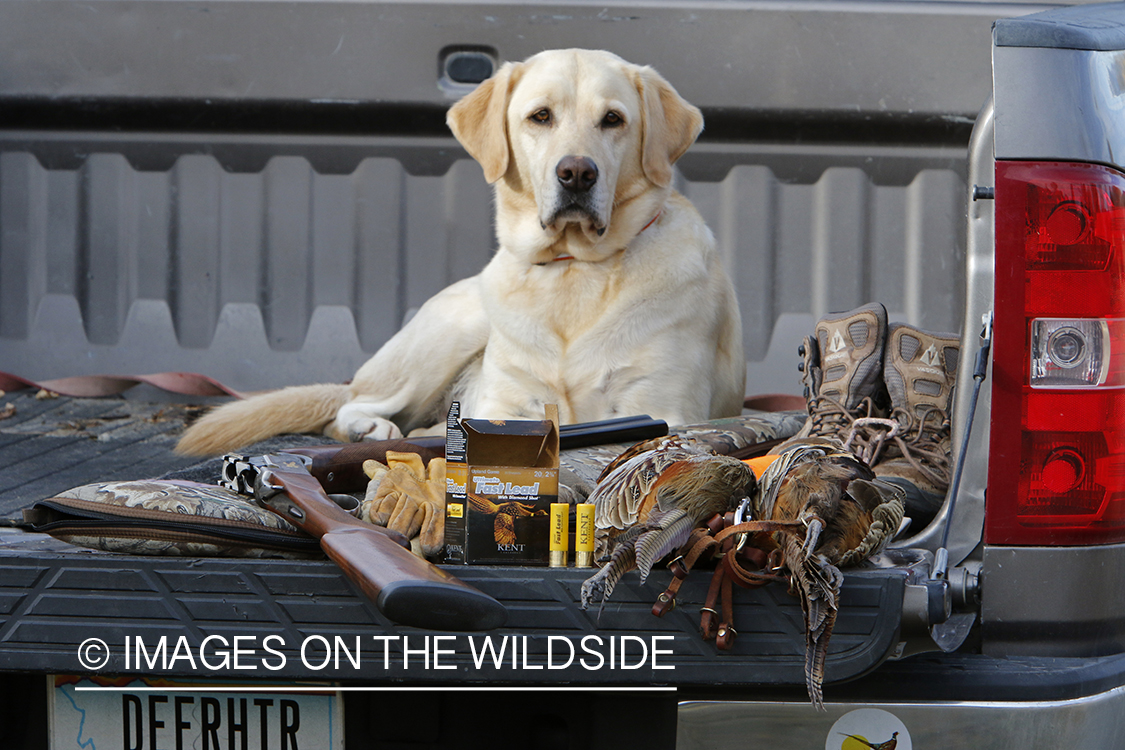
point(584, 535)
point(560, 529)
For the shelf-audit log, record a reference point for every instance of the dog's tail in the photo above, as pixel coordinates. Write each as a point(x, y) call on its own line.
point(301, 408)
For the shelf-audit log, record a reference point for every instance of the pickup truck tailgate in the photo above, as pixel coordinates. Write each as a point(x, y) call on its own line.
point(54, 601)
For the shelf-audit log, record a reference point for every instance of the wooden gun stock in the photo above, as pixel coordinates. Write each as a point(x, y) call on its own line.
point(405, 588)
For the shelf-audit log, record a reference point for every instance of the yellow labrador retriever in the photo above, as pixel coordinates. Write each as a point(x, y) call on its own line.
point(606, 295)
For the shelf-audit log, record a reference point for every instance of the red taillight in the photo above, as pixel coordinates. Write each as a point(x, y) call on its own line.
point(1057, 454)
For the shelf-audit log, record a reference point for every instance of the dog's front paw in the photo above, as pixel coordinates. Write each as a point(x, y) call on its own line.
point(355, 422)
point(376, 429)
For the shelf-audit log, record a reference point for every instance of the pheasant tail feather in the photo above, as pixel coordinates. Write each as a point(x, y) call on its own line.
point(674, 530)
point(818, 584)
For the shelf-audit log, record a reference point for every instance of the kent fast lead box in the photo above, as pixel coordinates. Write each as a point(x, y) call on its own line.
point(501, 478)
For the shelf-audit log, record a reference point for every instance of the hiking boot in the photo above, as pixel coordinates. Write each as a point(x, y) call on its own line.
point(920, 371)
point(851, 354)
point(842, 366)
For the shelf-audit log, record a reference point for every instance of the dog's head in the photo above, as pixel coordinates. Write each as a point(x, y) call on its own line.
point(580, 145)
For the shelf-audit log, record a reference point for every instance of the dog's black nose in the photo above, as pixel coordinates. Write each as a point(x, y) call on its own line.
point(577, 173)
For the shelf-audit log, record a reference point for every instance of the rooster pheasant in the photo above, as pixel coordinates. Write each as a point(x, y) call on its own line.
point(848, 515)
point(890, 744)
point(649, 499)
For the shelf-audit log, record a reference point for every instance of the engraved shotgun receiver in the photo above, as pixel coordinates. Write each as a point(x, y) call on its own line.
point(404, 587)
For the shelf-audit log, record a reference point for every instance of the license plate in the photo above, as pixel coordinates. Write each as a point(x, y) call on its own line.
point(143, 714)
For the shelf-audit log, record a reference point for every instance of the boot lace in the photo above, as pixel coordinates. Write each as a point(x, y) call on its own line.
point(868, 435)
point(829, 418)
point(861, 432)
point(923, 441)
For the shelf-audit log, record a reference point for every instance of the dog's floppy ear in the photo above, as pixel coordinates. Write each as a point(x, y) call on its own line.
point(669, 125)
point(479, 122)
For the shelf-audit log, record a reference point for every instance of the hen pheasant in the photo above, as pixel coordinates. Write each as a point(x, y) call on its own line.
point(848, 515)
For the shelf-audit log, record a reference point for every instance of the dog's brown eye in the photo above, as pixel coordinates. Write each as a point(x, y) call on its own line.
point(543, 116)
point(612, 120)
